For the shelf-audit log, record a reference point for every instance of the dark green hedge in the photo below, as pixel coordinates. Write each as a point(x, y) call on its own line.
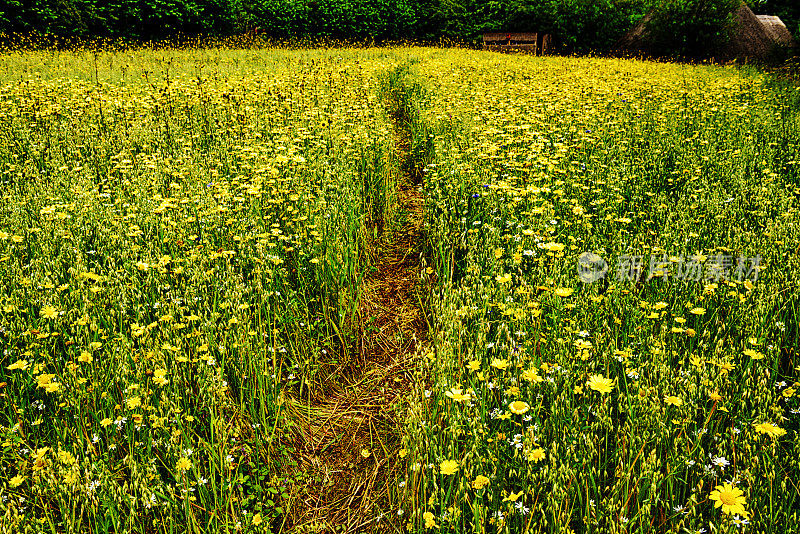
point(379, 19)
point(686, 27)
point(119, 18)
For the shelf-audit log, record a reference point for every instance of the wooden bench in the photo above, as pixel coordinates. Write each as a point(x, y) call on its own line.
point(538, 43)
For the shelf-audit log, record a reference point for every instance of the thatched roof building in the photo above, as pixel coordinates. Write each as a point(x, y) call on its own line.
point(776, 29)
point(752, 37)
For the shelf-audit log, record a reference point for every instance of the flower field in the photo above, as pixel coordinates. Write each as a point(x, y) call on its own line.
point(608, 272)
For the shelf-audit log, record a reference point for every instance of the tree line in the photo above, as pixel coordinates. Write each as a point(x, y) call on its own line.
point(580, 25)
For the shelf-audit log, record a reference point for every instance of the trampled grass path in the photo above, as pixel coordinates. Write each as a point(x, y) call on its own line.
point(351, 439)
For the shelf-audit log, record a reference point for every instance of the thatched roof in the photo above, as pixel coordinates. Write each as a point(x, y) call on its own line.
point(776, 29)
point(752, 37)
point(749, 38)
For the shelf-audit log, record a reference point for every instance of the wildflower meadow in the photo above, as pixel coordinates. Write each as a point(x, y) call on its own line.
point(397, 289)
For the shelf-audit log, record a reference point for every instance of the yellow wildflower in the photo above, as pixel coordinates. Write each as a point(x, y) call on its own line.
point(429, 520)
point(730, 498)
point(19, 364)
point(673, 400)
point(448, 467)
point(457, 395)
point(184, 464)
point(531, 375)
point(770, 430)
point(501, 364)
point(48, 312)
point(480, 482)
point(536, 455)
point(600, 384)
point(519, 407)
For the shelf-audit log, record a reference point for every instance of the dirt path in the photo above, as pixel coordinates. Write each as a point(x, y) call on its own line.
point(351, 442)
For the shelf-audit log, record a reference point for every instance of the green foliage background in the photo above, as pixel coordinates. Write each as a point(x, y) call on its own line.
point(581, 25)
point(685, 27)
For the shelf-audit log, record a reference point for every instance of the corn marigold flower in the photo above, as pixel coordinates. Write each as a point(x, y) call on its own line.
point(499, 363)
point(458, 395)
point(726, 367)
point(770, 430)
point(44, 380)
point(519, 407)
point(552, 247)
point(48, 312)
point(531, 375)
point(754, 354)
point(448, 467)
point(19, 364)
point(480, 482)
point(730, 498)
point(158, 377)
point(503, 278)
point(600, 384)
point(536, 455)
point(430, 520)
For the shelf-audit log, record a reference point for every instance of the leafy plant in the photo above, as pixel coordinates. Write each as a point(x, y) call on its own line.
point(689, 27)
